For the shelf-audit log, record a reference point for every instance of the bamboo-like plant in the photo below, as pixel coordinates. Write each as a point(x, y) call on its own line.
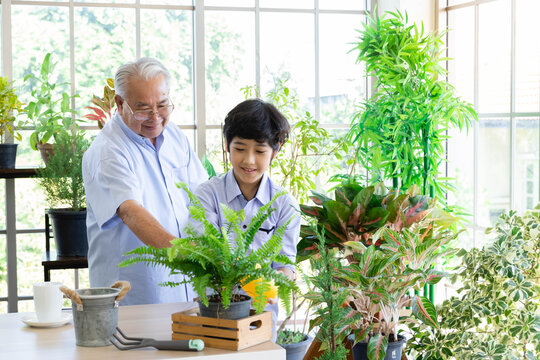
point(400, 132)
point(220, 259)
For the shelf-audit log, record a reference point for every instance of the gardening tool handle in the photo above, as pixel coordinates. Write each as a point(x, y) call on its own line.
point(184, 345)
point(71, 294)
point(124, 287)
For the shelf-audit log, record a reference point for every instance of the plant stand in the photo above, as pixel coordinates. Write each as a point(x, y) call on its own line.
point(223, 333)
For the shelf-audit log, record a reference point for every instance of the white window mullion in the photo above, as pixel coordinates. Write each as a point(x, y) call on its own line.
point(476, 126)
point(317, 64)
point(512, 104)
point(257, 45)
point(199, 78)
point(138, 29)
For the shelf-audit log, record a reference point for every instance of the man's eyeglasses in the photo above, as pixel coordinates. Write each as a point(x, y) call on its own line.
point(142, 115)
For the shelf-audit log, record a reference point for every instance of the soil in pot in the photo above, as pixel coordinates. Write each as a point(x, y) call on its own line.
point(238, 308)
point(393, 351)
point(295, 349)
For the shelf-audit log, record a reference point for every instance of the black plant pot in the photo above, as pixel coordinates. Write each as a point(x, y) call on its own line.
point(236, 310)
point(297, 350)
point(69, 229)
point(393, 351)
point(8, 156)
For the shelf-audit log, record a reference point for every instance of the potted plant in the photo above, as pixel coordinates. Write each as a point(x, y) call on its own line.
point(103, 106)
point(220, 260)
point(63, 184)
point(9, 105)
point(49, 112)
point(496, 312)
point(383, 281)
point(327, 297)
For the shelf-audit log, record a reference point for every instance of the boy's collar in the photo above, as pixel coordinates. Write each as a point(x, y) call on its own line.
point(233, 190)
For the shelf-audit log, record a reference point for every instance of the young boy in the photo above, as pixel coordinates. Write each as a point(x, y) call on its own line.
point(254, 132)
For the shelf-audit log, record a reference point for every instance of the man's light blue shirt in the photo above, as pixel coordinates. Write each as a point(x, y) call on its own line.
point(121, 165)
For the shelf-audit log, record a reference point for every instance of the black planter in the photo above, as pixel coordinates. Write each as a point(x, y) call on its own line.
point(69, 232)
point(8, 155)
point(393, 351)
point(297, 350)
point(236, 310)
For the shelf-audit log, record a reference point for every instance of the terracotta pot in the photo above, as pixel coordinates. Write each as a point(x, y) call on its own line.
point(46, 150)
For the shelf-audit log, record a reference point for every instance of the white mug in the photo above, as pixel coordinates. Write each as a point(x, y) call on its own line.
point(48, 301)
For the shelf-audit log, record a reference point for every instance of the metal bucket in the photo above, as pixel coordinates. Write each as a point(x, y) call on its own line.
point(95, 313)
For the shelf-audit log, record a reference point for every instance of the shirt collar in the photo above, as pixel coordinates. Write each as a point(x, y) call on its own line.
point(138, 139)
point(233, 190)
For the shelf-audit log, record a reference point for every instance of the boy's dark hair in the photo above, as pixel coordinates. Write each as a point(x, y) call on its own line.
point(257, 120)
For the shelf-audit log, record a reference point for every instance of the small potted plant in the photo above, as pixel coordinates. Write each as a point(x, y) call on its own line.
point(10, 106)
point(63, 184)
point(220, 260)
point(49, 112)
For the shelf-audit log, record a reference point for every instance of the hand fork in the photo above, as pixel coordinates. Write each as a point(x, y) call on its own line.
point(124, 342)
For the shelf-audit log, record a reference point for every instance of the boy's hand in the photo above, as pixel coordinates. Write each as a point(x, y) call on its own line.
point(288, 273)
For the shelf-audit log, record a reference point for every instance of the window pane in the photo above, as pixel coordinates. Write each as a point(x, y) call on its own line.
point(342, 81)
point(461, 51)
point(493, 169)
point(105, 39)
point(168, 36)
point(289, 4)
point(527, 158)
point(108, 1)
point(342, 4)
point(169, 2)
point(527, 56)
point(285, 53)
point(244, 3)
point(461, 168)
point(30, 204)
point(230, 61)
point(214, 146)
point(51, 26)
point(494, 57)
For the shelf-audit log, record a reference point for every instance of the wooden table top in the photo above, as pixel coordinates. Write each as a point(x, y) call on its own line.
point(19, 341)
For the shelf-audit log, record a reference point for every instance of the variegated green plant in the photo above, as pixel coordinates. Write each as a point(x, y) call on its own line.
point(220, 259)
point(496, 314)
point(384, 280)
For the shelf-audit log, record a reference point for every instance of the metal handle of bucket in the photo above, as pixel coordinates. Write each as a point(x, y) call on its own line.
point(124, 287)
point(71, 294)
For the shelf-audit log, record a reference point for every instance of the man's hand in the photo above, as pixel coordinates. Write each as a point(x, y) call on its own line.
point(144, 225)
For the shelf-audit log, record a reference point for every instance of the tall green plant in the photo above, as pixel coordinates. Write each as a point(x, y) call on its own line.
point(327, 298)
point(220, 259)
point(62, 178)
point(50, 109)
point(400, 132)
point(496, 314)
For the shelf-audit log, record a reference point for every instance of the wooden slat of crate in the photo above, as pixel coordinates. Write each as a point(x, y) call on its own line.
point(223, 333)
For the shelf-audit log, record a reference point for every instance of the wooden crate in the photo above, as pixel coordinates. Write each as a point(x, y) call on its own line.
point(223, 333)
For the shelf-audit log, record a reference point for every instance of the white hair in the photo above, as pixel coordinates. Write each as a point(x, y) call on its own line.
point(147, 68)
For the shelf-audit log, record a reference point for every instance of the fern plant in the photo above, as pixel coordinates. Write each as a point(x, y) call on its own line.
point(220, 259)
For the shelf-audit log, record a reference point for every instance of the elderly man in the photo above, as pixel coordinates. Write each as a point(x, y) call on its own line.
point(130, 175)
